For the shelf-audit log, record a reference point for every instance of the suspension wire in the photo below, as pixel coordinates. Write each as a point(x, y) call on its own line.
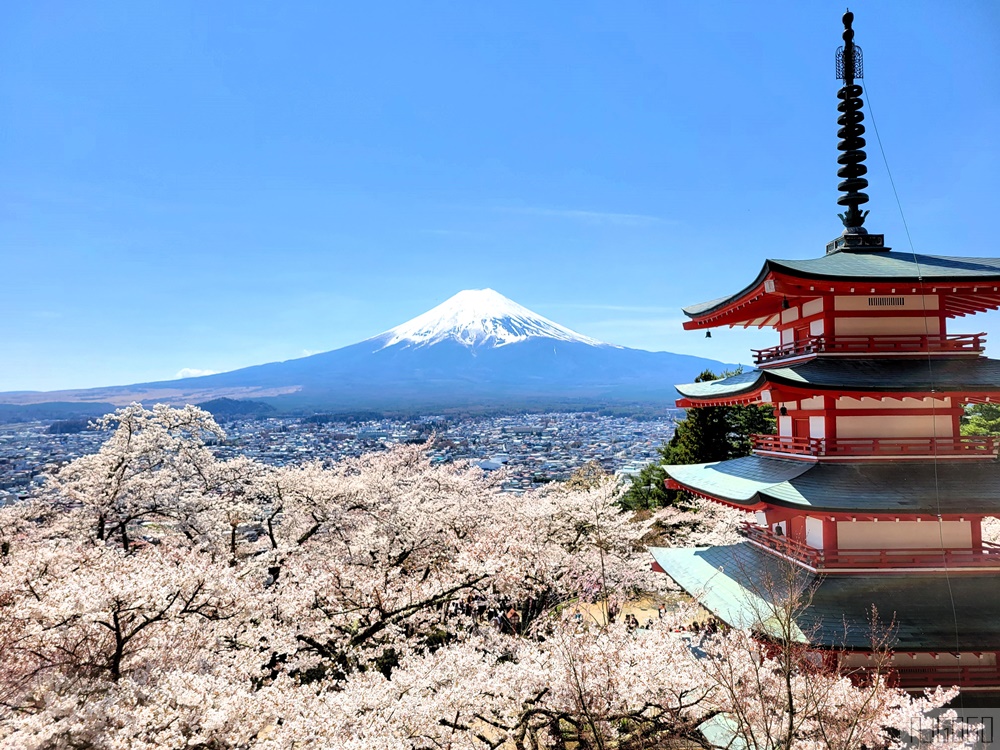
point(930, 371)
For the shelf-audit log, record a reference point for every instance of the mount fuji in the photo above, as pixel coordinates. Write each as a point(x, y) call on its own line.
point(476, 350)
point(479, 318)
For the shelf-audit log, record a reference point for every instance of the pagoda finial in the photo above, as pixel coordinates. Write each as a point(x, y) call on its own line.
point(849, 67)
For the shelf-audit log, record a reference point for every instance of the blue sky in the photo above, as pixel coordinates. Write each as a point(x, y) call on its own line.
point(215, 185)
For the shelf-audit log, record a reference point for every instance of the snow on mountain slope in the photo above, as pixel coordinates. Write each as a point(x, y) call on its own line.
point(476, 318)
point(455, 356)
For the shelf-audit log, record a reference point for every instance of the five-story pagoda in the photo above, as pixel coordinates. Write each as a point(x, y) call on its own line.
point(868, 488)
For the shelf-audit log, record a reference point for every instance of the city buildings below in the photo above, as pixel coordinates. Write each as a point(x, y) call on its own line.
point(531, 449)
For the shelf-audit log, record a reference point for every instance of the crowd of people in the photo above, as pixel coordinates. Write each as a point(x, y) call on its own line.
point(508, 620)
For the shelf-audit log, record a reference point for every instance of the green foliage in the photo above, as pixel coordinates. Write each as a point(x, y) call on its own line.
point(647, 489)
point(981, 419)
point(234, 408)
point(708, 433)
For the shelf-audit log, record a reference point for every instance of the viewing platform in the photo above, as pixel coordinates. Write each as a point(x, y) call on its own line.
point(966, 446)
point(971, 344)
point(868, 560)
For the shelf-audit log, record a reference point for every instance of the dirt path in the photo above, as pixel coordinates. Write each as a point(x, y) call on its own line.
point(644, 609)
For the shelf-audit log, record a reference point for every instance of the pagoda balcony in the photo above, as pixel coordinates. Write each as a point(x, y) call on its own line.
point(918, 678)
point(936, 344)
point(964, 446)
point(863, 560)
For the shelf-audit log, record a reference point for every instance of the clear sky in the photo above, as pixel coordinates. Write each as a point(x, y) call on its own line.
point(214, 185)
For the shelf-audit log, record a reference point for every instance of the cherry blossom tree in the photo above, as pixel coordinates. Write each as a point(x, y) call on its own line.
point(155, 465)
point(153, 595)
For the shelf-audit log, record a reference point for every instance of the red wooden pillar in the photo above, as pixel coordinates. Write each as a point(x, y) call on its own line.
point(797, 528)
point(829, 534)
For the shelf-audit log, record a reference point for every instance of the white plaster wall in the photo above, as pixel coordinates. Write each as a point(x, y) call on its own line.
point(859, 301)
point(790, 315)
point(814, 532)
point(904, 534)
point(816, 328)
point(903, 659)
point(886, 326)
point(846, 402)
point(965, 659)
point(814, 402)
point(785, 426)
point(817, 427)
point(812, 307)
point(787, 336)
point(914, 426)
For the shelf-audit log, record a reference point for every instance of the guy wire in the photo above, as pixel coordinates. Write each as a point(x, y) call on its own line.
point(930, 371)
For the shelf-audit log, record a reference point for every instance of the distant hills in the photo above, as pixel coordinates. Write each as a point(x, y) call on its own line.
point(234, 408)
point(50, 410)
point(477, 351)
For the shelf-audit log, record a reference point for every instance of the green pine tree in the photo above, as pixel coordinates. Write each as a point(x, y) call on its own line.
point(981, 419)
point(706, 434)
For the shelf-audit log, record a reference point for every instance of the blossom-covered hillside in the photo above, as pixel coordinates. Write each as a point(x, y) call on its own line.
point(154, 596)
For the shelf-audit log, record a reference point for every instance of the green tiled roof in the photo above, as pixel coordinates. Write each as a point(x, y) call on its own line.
point(720, 579)
point(702, 307)
point(864, 486)
point(878, 266)
point(736, 582)
point(890, 265)
point(734, 385)
point(721, 732)
point(882, 375)
point(739, 480)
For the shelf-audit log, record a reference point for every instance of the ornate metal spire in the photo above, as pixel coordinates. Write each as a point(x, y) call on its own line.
point(849, 67)
point(851, 160)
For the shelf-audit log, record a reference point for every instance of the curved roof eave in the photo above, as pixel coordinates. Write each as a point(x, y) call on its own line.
point(903, 376)
point(704, 308)
point(885, 487)
point(890, 266)
point(882, 266)
point(735, 385)
point(738, 583)
point(739, 480)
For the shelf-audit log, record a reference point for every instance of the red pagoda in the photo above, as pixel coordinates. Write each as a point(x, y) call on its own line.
point(868, 488)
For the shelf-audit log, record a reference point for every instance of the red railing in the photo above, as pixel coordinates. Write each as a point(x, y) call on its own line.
point(799, 446)
point(964, 446)
point(960, 343)
point(781, 544)
point(986, 556)
point(963, 676)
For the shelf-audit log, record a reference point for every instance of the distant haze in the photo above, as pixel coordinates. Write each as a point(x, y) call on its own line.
point(477, 349)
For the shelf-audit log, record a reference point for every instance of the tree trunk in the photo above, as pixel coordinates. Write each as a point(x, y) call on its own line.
point(115, 663)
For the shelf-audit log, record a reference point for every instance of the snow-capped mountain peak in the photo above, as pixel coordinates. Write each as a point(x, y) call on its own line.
point(479, 317)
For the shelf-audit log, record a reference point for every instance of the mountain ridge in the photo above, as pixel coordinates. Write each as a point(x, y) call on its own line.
point(477, 347)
